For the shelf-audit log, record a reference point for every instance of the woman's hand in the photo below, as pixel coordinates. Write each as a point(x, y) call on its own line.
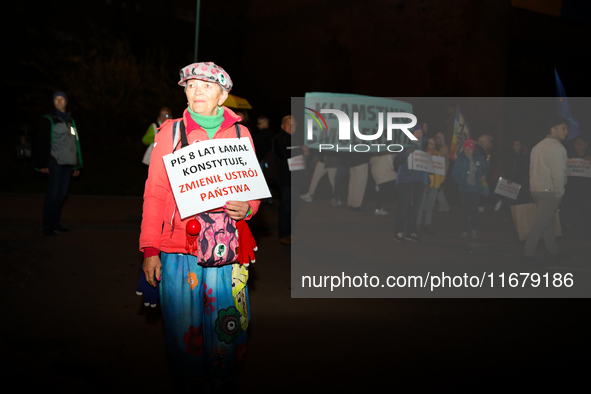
point(152, 267)
point(237, 210)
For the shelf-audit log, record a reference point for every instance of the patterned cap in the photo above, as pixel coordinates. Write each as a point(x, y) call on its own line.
point(206, 71)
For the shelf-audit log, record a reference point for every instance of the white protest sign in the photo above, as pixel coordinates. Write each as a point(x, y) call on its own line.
point(206, 174)
point(507, 189)
point(438, 165)
point(422, 161)
point(579, 167)
point(296, 163)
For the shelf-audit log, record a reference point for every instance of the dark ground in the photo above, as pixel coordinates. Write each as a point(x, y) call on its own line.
point(71, 321)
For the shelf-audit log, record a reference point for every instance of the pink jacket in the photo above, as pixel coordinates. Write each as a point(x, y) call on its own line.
point(159, 205)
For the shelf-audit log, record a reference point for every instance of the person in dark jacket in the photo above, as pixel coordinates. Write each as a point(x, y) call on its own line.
point(410, 185)
point(484, 147)
point(263, 142)
point(576, 204)
point(58, 155)
point(469, 172)
point(286, 145)
point(514, 170)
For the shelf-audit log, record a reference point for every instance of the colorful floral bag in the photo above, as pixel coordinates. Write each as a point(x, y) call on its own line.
point(218, 239)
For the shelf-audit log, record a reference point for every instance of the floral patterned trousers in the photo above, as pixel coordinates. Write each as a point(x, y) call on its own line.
point(205, 331)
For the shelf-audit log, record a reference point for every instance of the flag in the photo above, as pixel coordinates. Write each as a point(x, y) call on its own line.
point(563, 109)
point(461, 134)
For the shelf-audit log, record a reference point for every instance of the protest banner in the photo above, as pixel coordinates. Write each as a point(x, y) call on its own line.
point(422, 161)
point(296, 163)
point(438, 165)
point(205, 175)
point(578, 167)
point(461, 134)
point(507, 189)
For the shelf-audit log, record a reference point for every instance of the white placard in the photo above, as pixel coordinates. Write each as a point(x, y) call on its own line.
point(422, 161)
point(206, 174)
point(578, 167)
point(508, 189)
point(438, 165)
point(296, 163)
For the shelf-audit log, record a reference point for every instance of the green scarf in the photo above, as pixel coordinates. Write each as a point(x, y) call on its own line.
point(211, 124)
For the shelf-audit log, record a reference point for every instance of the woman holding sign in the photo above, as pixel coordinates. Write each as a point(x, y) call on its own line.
point(204, 306)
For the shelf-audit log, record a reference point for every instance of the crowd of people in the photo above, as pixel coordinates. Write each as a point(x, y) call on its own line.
point(205, 306)
point(474, 172)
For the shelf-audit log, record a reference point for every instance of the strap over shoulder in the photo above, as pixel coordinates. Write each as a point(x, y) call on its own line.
point(178, 131)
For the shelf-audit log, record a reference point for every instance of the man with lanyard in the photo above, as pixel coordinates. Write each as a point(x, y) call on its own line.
point(58, 155)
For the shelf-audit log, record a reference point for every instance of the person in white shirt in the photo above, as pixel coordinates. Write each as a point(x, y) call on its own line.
point(548, 177)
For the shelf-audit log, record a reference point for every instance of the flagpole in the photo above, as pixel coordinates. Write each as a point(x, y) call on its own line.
point(197, 29)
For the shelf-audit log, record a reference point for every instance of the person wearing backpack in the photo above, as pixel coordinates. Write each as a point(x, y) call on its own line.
point(57, 154)
point(205, 308)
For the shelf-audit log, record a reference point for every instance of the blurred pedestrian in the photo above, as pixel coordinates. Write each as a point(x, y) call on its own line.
point(382, 170)
point(245, 121)
point(469, 172)
point(513, 170)
point(263, 140)
point(443, 150)
point(322, 168)
point(430, 194)
point(576, 203)
point(410, 185)
point(341, 175)
point(358, 172)
point(547, 180)
point(484, 147)
point(58, 155)
point(287, 145)
point(148, 138)
point(263, 143)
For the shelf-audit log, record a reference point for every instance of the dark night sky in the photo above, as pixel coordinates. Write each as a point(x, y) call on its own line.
point(276, 50)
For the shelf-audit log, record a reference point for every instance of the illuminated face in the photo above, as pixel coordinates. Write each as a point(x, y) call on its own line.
point(419, 134)
point(164, 115)
point(486, 144)
point(262, 124)
point(432, 144)
point(204, 97)
point(517, 146)
point(469, 152)
point(60, 103)
point(289, 125)
point(561, 131)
